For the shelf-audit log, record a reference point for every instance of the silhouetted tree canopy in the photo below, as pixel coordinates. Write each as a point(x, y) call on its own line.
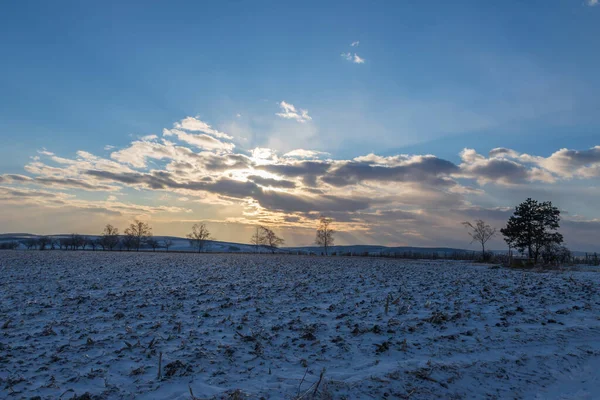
point(532, 227)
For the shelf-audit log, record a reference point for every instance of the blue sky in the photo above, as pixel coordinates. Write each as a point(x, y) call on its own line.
point(435, 78)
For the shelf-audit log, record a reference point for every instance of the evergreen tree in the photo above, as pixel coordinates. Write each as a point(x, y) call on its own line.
point(533, 227)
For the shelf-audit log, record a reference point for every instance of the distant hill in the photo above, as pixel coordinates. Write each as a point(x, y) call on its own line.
point(376, 250)
point(215, 246)
point(182, 244)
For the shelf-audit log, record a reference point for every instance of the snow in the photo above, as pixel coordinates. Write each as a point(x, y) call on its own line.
point(269, 325)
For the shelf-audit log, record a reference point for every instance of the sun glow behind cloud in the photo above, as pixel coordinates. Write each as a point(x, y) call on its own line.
point(381, 196)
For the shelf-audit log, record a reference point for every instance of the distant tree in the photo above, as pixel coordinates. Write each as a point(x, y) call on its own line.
point(64, 243)
point(43, 242)
point(110, 237)
point(77, 241)
point(85, 241)
point(167, 243)
point(553, 253)
point(54, 243)
point(480, 232)
point(199, 235)
point(325, 235)
point(153, 243)
point(257, 238)
point(30, 243)
point(532, 227)
point(140, 232)
point(93, 243)
point(128, 242)
point(9, 245)
point(270, 239)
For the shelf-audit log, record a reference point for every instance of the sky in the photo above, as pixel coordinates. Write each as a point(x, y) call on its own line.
point(399, 120)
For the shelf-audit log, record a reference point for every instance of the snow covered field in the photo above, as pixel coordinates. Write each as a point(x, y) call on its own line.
point(252, 326)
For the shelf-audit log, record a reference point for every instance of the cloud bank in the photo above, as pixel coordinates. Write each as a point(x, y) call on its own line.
point(194, 171)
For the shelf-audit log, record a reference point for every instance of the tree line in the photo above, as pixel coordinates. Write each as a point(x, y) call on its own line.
point(532, 230)
point(138, 235)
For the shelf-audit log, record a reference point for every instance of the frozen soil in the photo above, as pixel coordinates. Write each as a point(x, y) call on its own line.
point(93, 325)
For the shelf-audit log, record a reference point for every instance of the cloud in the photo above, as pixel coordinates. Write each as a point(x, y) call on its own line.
point(354, 58)
point(280, 183)
point(194, 124)
point(307, 170)
point(592, 3)
point(425, 169)
point(416, 199)
point(355, 44)
point(271, 200)
point(301, 153)
point(289, 111)
point(572, 163)
point(57, 182)
point(202, 141)
point(508, 166)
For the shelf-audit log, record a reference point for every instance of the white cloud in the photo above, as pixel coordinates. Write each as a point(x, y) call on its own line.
point(592, 3)
point(355, 44)
point(357, 59)
point(202, 141)
point(289, 111)
point(353, 58)
point(301, 153)
point(194, 124)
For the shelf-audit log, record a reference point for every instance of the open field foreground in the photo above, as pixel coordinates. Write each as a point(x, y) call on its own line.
point(239, 326)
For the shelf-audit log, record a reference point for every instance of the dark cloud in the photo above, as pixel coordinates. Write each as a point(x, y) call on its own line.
point(498, 151)
point(286, 202)
point(495, 169)
point(579, 157)
point(431, 170)
point(54, 181)
point(307, 170)
point(272, 200)
point(8, 193)
point(213, 162)
point(272, 182)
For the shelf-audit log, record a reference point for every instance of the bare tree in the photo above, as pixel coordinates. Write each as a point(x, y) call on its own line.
point(77, 241)
point(270, 239)
point(128, 241)
point(64, 243)
point(199, 236)
point(84, 242)
point(140, 232)
point(110, 237)
point(167, 243)
point(153, 243)
point(42, 242)
point(30, 243)
point(480, 232)
point(9, 245)
point(325, 234)
point(258, 238)
point(93, 243)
